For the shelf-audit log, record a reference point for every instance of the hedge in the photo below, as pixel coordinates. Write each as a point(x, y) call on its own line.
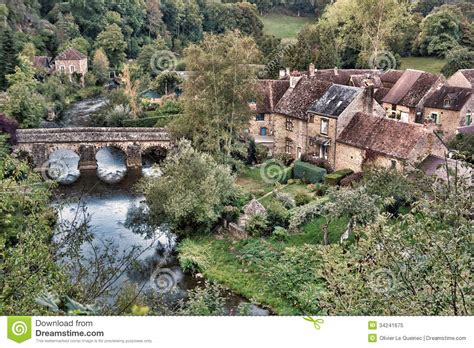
point(146, 122)
point(308, 173)
point(287, 175)
point(336, 177)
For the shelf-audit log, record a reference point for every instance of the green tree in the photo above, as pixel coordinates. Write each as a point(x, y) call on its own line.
point(191, 194)
point(100, 65)
point(23, 102)
point(7, 55)
point(459, 58)
point(216, 95)
point(441, 31)
point(154, 18)
point(166, 82)
point(113, 43)
point(78, 43)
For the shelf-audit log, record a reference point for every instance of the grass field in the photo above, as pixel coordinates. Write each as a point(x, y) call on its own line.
point(428, 64)
point(284, 27)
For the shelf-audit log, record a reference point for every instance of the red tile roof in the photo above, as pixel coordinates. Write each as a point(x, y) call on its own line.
point(389, 137)
point(269, 93)
point(71, 54)
point(457, 97)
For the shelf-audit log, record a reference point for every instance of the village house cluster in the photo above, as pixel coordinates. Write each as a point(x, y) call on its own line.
point(353, 118)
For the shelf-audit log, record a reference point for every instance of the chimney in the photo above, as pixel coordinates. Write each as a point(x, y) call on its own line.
point(368, 101)
point(311, 70)
point(294, 81)
point(288, 72)
point(282, 74)
point(336, 72)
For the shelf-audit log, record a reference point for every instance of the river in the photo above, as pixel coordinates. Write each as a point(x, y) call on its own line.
point(107, 201)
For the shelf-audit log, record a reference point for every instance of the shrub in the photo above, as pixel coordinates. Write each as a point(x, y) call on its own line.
point(287, 175)
point(336, 177)
point(257, 225)
point(286, 199)
point(318, 162)
point(351, 179)
point(302, 198)
point(311, 187)
point(231, 213)
point(291, 182)
point(261, 153)
point(277, 214)
point(284, 158)
point(280, 233)
point(322, 189)
point(308, 172)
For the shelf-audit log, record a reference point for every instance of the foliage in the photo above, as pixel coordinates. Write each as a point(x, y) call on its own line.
point(304, 214)
point(8, 53)
point(100, 65)
point(111, 39)
point(277, 214)
point(286, 199)
point(464, 145)
point(302, 198)
point(335, 178)
point(280, 234)
point(457, 59)
point(216, 95)
point(351, 179)
point(231, 213)
point(308, 173)
point(204, 301)
point(191, 194)
point(166, 82)
point(257, 225)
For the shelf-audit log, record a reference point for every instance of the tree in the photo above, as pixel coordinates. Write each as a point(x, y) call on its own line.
point(154, 18)
point(459, 58)
point(166, 82)
point(113, 43)
point(441, 31)
point(78, 43)
point(216, 95)
point(7, 55)
point(100, 65)
point(191, 194)
point(130, 89)
point(23, 102)
point(66, 28)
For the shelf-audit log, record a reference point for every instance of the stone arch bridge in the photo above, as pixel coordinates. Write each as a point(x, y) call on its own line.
point(41, 142)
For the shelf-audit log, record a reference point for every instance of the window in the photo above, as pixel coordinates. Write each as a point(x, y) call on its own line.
point(468, 119)
point(311, 119)
point(447, 103)
point(323, 152)
point(260, 117)
point(289, 146)
point(263, 131)
point(289, 124)
point(72, 68)
point(434, 116)
point(62, 68)
point(393, 164)
point(324, 126)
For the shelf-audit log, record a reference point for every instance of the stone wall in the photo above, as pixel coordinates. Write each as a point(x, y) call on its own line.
point(80, 66)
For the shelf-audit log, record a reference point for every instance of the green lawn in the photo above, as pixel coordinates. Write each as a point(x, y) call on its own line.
point(428, 64)
point(284, 27)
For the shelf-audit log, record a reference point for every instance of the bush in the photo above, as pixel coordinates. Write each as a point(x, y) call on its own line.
point(308, 172)
point(286, 199)
point(318, 162)
point(257, 226)
point(284, 158)
point(351, 179)
point(302, 199)
point(336, 177)
point(145, 122)
point(261, 153)
point(277, 214)
point(321, 189)
point(280, 234)
point(287, 175)
point(231, 213)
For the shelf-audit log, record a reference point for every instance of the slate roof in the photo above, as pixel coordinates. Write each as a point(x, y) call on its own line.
point(457, 96)
point(296, 101)
point(382, 135)
point(410, 88)
point(335, 100)
point(269, 93)
point(71, 54)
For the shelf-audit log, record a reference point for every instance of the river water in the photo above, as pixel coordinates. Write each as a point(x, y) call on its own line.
point(107, 201)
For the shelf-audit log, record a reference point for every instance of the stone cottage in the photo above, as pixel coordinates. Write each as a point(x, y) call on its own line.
point(404, 101)
point(71, 62)
point(450, 108)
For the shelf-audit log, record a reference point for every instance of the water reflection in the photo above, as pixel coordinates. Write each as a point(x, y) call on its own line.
point(111, 165)
point(63, 167)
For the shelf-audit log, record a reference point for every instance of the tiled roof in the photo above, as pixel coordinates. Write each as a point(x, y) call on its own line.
point(365, 80)
point(342, 76)
point(382, 135)
point(391, 76)
point(456, 96)
point(269, 93)
point(380, 94)
point(410, 88)
point(42, 62)
point(71, 54)
point(335, 100)
point(468, 74)
point(296, 101)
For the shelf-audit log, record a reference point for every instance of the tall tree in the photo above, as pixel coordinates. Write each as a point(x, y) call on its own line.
point(7, 55)
point(100, 65)
point(217, 94)
point(113, 43)
point(154, 18)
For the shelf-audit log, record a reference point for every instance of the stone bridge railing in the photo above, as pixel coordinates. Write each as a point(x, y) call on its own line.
point(41, 142)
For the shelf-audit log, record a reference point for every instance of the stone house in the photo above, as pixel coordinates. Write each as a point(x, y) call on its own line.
point(71, 62)
point(329, 115)
point(405, 99)
point(463, 78)
point(450, 108)
point(43, 64)
point(269, 93)
point(383, 142)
